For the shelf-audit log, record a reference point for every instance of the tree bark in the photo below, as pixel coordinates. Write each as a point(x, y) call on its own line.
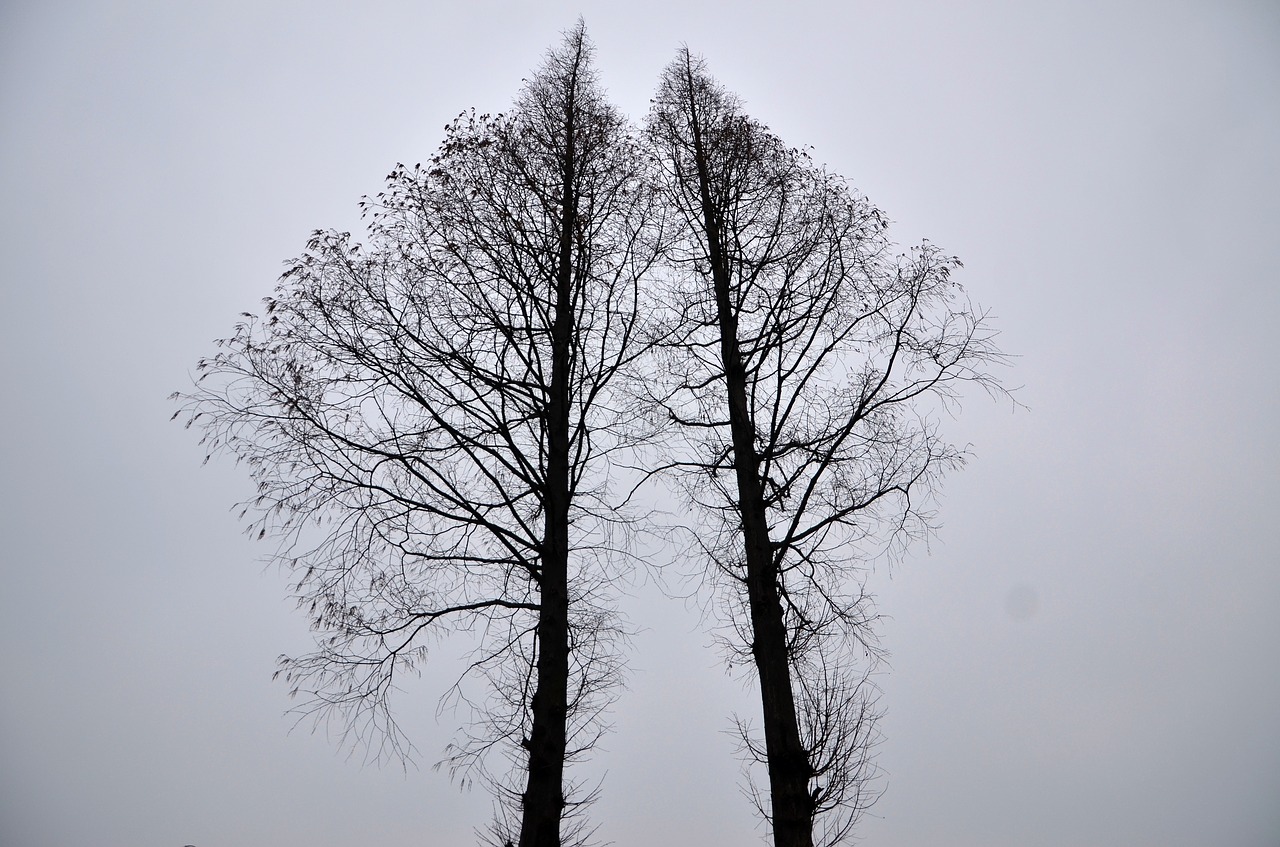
point(543, 800)
point(792, 806)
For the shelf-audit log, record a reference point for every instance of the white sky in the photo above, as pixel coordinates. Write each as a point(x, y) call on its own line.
point(1109, 174)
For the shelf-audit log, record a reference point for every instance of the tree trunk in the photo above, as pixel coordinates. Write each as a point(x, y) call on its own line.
point(543, 800)
point(792, 806)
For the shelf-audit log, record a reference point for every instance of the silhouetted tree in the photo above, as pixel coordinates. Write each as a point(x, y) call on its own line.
point(430, 422)
point(800, 370)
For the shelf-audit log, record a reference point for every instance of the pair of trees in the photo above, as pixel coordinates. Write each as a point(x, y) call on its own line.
point(432, 421)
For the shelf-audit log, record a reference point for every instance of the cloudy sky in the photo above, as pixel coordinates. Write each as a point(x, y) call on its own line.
point(1087, 655)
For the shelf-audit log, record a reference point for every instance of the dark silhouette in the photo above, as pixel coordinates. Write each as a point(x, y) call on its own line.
point(799, 370)
point(428, 421)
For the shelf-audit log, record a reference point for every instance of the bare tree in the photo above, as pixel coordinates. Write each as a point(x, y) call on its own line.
point(430, 422)
point(801, 371)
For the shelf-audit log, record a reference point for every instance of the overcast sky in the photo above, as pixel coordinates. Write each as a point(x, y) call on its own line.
point(1088, 654)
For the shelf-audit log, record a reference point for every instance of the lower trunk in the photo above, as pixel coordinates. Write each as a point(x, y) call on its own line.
point(543, 798)
point(789, 769)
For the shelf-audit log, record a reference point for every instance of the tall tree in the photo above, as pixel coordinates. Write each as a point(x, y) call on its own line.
point(800, 370)
point(430, 423)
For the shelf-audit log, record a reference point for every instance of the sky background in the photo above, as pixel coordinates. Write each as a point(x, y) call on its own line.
point(1087, 655)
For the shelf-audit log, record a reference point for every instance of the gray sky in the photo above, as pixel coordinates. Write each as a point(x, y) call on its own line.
point(1086, 656)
